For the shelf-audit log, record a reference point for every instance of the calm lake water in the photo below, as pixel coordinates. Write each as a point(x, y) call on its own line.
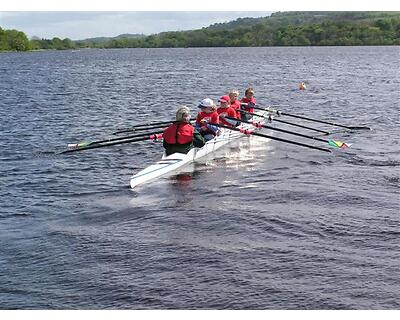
point(262, 225)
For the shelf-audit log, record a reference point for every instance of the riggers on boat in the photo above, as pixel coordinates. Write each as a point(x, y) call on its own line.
point(175, 161)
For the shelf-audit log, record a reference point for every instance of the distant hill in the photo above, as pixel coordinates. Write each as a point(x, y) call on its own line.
point(317, 28)
point(298, 28)
point(295, 18)
point(101, 40)
point(234, 24)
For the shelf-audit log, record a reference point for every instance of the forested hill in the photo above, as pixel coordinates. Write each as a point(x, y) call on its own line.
point(295, 18)
point(279, 29)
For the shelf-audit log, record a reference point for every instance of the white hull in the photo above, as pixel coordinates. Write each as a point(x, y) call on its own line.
point(175, 161)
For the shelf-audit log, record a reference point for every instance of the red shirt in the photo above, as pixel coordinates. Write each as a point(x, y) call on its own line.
point(236, 106)
point(245, 100)
point(230, 112)
point(179, 133)
point(210, 117)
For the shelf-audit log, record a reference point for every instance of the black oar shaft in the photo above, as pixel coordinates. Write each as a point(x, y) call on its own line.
point(141, 128)
point(151, 124)
point(314, 120)
point(311, 119)
point(123, 138)
point(290, 123)
point(273, 138)
point(301, 126)
point(285, 131)
point(147, 137)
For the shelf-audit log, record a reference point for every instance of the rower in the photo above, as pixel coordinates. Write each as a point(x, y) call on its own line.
point(181, 136)
point(235, 104)
point(247, 104)
point(224, 110)
point(206, 117)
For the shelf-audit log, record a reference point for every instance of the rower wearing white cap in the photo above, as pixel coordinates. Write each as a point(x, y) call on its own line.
point(206, 117)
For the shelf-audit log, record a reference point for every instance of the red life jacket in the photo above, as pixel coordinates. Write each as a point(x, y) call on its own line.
point(230, 112)
point(179, 133)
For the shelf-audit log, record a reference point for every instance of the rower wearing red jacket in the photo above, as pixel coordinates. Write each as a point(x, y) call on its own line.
point(206, 117)
point(224, 110)
point(181, 136)
point(235, 103)
point(247, 104)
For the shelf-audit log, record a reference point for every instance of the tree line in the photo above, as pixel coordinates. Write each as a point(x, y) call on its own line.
point(14, 40)
point(384, 30)
point(330, 33)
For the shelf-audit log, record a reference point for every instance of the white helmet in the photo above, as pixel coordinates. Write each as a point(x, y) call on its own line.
point(207, 102)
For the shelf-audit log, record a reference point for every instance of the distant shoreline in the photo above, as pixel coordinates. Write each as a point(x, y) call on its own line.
point(281, 29)
point(143, 48)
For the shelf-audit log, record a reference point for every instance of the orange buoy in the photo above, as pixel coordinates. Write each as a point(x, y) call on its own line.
point(302, 86)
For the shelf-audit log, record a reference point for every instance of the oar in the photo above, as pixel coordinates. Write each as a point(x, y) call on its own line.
point(288, 123)
point(333, 143)
point(251, 132)
point(137, 127)
point(147, 137)
point(89, 143)
point(142, 128)
point(278, 112)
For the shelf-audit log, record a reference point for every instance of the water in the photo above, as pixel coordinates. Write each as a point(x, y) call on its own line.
point(262, 225)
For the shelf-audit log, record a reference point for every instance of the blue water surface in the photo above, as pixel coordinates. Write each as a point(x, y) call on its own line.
point(261, 225)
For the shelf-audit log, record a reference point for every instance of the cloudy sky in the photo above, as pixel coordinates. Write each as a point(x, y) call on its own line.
point(81, 25)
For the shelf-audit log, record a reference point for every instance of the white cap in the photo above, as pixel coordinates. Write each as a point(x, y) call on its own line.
point(207, 102)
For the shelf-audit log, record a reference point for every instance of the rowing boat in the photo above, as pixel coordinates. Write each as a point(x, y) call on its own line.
point(176, 161)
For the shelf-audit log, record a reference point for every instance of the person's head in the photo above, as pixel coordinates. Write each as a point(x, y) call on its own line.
point(249, 93)
point(207, 105)
point(224, 101)
point(233, 95)
point(183, 114)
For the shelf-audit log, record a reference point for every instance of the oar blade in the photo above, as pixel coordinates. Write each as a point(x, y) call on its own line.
point(339, 144)
point(78, 145)
point(360, 128)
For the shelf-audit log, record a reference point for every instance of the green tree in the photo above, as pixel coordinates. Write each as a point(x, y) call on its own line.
point(14, 40)
point(68, 44)
point(384, 24)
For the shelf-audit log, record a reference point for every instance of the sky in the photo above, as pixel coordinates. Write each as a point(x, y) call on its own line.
point(81, 25)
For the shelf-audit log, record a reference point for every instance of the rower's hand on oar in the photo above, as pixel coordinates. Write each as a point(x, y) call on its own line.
point(203, 123)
